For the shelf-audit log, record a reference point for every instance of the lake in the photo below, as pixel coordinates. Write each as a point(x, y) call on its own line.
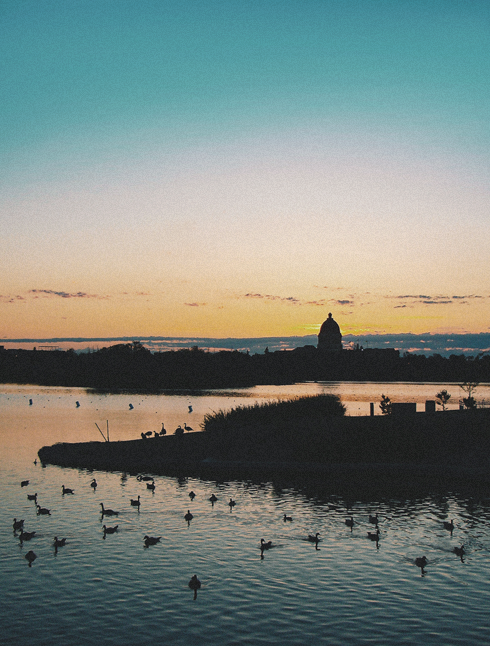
point(109, 590)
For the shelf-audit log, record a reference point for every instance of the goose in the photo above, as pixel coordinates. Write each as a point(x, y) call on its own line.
point(286, 518)
point(163, 430)
point(135, 503)
point(374, 536)
point(145, 478)
point(59, 542)
point(24, 483)
point(179, 430)
point(213, 498)
point(18, 524)
point(26, 536)
point(110, 530)
point(349, 522)
point(150, 486)
point(231, 504)
point(77, 404)
point(108, 512)
point(459, 551)
point(449, 525)
point(151, 540)
point(32, 496)
point(149, 433)
point(30, 557)
point(421, 562)
point(315, 538)
point(192, 495)
point(194, 583)
point(373, 519)
point(42, 511)
point(188, 517)
point(65, 490)
point(265, 545)
point(93, 484)
point(187, 428)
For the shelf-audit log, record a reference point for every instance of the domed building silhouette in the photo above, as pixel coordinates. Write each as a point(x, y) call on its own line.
point(329, 337)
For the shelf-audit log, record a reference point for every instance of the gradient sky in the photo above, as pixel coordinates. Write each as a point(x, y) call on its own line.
point(241, 168)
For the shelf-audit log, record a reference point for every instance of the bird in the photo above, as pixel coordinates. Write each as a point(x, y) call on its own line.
point(65, 490)
point(108, 512)
point(192, 495)
point(93, 484)
point(421, 562)
point(151, 540)
point(349, 522)
point(188, 517)
point(77, 404)
point(213, 498)
point(149, 433)
point(163, 430)
point(18, 524)
point(110, 530)
point(131, 406)
point(32, 496)
point(59, 542)
point(30, 557)
point(315, 538)
point(459, 551)
point(26, 536)
point(373, 519)
point(231, 504)
point(449, 525)
point(265, 545)
point(42, 511)
point(24, 483)
point(287, 518)
point(194, 583)
point(135, 503)
point(187, 428)
point(179, 430)
point(141, 478)
point(374, 536)
point(30, 402)
point(150, 486)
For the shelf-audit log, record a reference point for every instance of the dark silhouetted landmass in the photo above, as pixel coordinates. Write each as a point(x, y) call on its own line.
point(132, 366)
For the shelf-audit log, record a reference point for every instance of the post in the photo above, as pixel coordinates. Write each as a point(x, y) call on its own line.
point(371, 409)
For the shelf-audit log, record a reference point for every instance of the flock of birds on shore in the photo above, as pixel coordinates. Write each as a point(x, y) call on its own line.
point(374, 534)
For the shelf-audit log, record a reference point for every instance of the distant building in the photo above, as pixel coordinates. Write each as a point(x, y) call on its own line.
point(329, 337)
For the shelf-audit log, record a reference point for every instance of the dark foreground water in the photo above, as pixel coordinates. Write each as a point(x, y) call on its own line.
point(351, 590)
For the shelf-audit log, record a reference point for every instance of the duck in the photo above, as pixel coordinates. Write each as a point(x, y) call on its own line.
point(459, 551)
point(26, 536)
point(374, 536)
point(135, 503)
point(24, 483)
point(349, 522)
point(93, 484)
point(65, 490)
point(421, 562)
point(59, 542)
point(192, 495)
point(287, 518)
point(18, 524)
point(373, 519)
point(42, 511)
point(144, 478)
point(30, 557)
point(150, 486)
point(265, 545)
point(151, 540)
point(32, 496)
point(110, 530)
point(188, 517)
point(232, 503)
point(194, 583)
point(315, 538)
point(449, 525)
point(108, 512)
point(187, 428)
point(213, 498)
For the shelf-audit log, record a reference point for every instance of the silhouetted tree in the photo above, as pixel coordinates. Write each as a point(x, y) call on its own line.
point(442, 398)
point(386, 405)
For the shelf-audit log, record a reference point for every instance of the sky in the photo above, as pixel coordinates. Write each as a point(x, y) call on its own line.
point(241, 169)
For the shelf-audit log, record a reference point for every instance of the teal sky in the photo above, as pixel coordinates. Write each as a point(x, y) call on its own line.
point(259, 133)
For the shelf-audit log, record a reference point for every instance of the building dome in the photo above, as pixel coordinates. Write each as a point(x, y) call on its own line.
point(329, 337)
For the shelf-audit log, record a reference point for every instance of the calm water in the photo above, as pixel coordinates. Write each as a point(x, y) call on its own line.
point(116, 591)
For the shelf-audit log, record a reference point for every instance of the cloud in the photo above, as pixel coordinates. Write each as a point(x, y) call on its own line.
point(195, 304)
point(52, 292)
point(270, 297)
point(424, 299)
point(11, 299)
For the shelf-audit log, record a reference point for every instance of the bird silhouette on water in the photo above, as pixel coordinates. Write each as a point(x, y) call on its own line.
point(109, 530)
point(65, 490)
point(30, 557)
point(421, 562)
point(194, 584)
point(287, 518)
point(151, 540)
point(108, 512)
point(93, 484)
point(18, 524)
point(42, 511)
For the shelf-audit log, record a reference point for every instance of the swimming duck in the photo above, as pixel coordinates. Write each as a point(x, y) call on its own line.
point(373, 519)
point(26, 536)
point(18, 524)
point(421, 562)
point(93, 484)
point(30, 557)
point(24, 483)
point(374, 536)
point(449, 525)
point(232, 503)
point(286, 518)
point(192, 495)
point(110, 530)
point(59, 542)
point(151, 540)
point(150, 486)
point(135, 503)
point(42, 511)
point(349, 522)
point(108, 512)
point(265, 545)
point(459, 551)
point(188, 517)
point(213, 498)
point(315, 538)
point(65, 490)
point(194, 583)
